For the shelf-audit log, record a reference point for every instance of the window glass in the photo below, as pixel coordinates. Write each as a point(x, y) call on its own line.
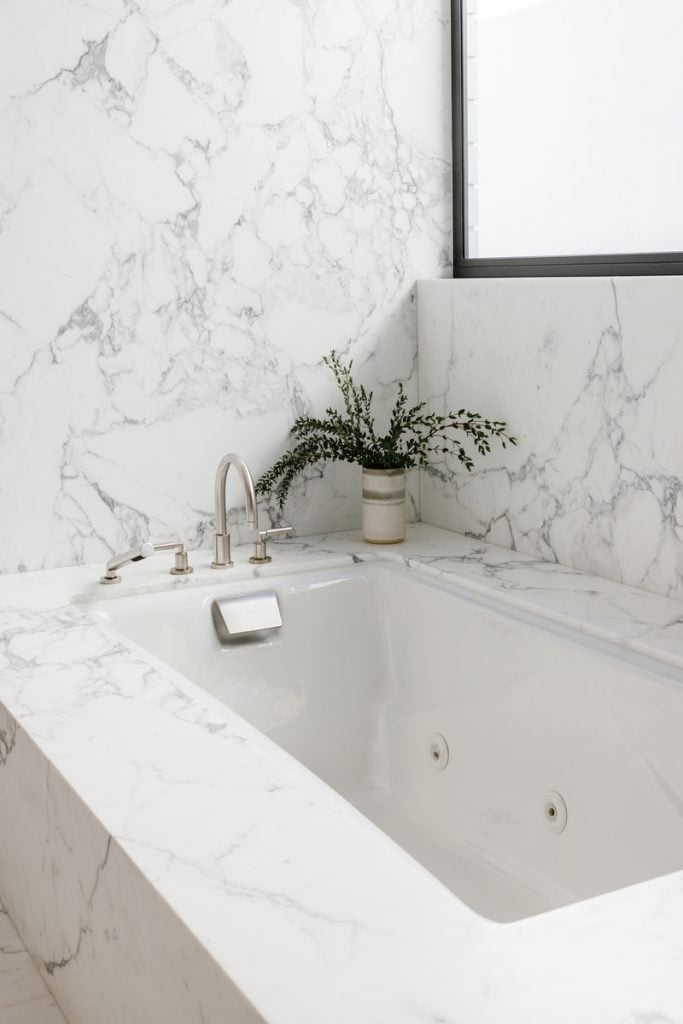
point(573, 127)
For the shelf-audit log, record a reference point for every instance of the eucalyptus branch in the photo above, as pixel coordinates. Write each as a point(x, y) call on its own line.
point(414, 435)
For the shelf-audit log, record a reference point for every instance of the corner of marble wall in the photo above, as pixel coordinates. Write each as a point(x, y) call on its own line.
point(196, 204)
point(586, 371)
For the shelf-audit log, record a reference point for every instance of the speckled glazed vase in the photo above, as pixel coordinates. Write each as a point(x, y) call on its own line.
point(384, 505)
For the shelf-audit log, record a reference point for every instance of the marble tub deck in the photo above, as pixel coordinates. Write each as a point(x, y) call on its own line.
point(24, 997)
point(185, 827)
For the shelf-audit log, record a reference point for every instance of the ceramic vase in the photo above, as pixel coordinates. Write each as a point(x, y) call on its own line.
point(384, 505)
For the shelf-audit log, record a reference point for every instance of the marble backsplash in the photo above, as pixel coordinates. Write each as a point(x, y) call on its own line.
point(588, 374)
point(197, 202)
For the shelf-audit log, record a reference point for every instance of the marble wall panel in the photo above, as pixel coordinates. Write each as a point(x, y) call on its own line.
point(588, 373)
point(197, 202)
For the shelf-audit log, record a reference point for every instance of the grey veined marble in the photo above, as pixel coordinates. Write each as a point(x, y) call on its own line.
point(199, 200)
point(589, 375)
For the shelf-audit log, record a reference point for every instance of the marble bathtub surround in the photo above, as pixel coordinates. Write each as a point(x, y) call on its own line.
point(24, 997)
point(228, 881)
point(197, 201)
point(588, 371)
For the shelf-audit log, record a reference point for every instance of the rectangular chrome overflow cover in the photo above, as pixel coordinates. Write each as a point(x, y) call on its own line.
point(237, 618)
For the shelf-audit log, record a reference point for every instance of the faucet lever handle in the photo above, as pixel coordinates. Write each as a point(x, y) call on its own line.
point(261, 556)
point(182, 565)
point(279, 531)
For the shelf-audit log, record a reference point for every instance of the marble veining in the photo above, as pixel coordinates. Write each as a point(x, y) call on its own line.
point(175, 805)
point(24, 997)
point(197, 202)
point(586, 372)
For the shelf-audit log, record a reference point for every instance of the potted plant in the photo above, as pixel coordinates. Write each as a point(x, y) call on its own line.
point(413, 435)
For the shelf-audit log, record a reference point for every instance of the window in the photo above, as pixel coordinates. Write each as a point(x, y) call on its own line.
point(568, 137)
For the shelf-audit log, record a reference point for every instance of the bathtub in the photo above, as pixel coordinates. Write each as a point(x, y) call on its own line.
point(525, 766)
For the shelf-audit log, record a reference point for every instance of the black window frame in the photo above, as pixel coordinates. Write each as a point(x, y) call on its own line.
point(633, 264)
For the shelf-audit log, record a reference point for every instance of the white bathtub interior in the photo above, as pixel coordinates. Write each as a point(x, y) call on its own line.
point(374, 661)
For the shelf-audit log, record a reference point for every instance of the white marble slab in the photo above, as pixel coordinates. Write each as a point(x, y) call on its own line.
point(587, 373)
point(209, 864)
point(24, 997)
point(197, 202)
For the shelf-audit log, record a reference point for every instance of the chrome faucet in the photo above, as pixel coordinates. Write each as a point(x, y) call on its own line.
point(221, 538)
point(182, 566)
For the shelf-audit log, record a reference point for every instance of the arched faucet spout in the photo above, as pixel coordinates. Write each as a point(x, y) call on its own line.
point(221, 542)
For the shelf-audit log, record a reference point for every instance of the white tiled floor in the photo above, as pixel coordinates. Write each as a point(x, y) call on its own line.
point(24, 999)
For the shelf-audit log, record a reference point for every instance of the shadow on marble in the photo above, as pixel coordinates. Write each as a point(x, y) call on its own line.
point(24, 999)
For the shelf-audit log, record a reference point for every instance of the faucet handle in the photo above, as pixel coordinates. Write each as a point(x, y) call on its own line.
point(261, 556)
